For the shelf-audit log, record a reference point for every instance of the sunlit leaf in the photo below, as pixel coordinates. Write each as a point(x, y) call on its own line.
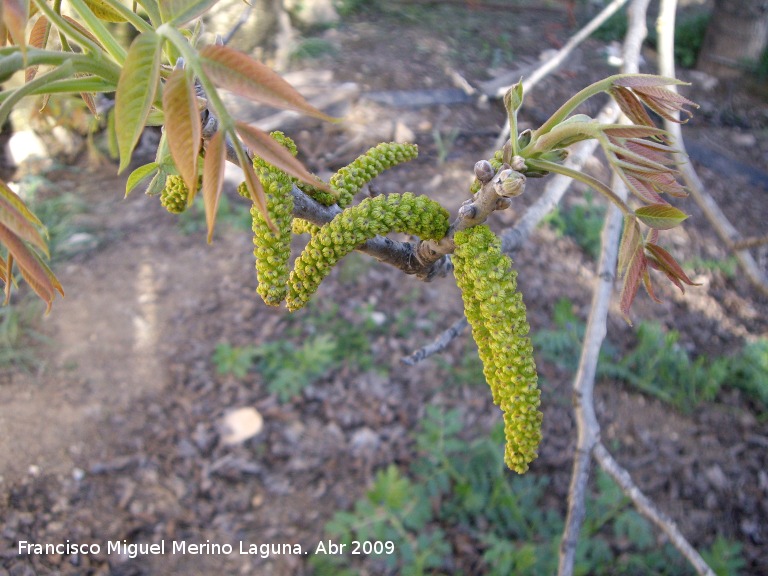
point(182, 126)
point(213, 179)
point(241, 74)
point(135, 92)
point(660, 216)
point(32, 268)
point(103, 11)
point(138, 175)
point(265, 147)
point(11, 196)
point(178, 12)
point(15, 15)
point(14, 220)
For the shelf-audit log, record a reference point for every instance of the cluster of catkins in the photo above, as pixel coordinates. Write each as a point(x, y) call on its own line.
point(494, 308)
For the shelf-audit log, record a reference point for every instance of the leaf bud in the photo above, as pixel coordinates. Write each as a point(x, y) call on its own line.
point(484, 171)
point(509, 183)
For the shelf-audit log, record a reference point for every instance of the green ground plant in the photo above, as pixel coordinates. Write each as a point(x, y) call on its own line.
point(581, 221)
point(458, 486)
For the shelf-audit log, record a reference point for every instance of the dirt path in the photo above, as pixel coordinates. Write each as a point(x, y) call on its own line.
point(107, 335)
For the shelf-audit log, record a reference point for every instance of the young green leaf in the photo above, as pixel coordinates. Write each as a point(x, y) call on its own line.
point(265, 147)
point(179, 12)
point(135, 92)
point(660, 216)
point(246, 77)
point(104, 11)
point(182, 126)
point(138, 175)
point(213, 179)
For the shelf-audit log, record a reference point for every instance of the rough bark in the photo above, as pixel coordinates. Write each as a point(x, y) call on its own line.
point(736, 37)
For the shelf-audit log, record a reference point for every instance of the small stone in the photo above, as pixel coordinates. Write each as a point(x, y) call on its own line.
point(241, 424)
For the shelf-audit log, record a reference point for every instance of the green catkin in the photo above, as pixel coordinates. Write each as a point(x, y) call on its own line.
point(174, 195)
point(301, 226)
point(496, 312)
point(273, 250)
point(349, 180)
point(416, 215)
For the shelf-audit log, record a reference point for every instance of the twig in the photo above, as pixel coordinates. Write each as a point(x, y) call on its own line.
point(648, 509)
point(723, 227)
point(558, 58)
point(438, 345)
point(515, 238)
point(588, 428)
point(752, 242)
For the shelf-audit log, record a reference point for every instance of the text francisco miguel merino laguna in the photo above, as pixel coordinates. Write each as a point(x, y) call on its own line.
point(133, 550)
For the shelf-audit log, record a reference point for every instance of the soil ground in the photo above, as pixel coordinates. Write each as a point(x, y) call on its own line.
point(115, 433)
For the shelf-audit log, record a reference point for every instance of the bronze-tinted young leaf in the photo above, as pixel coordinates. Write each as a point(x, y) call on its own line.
point(629, 131)
point(141, 173)
point(666, 263)
point(18, 224)
point(82, 29)
point(630, 104)
point(631, 242)
point(640, 188)
point(33, 270)
point(135, 94)
point(182, 126)
point(642, 80)
point(241, 74)
point(213, 179)
point(15, 15)
point(179, 12)
point(660, 216)
point(265, 147)
point(636, 270)
point(38, 38)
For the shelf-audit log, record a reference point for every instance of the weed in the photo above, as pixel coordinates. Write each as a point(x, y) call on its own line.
point(310, 48)
point(17, 333)
point(459, 486)
point(582, 222)
point(727, 266)
point(444, 142)
point(288, 370)
point(234, 360)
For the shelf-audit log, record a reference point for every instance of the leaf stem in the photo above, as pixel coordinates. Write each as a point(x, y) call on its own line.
point(590, 181)
point(100, 31)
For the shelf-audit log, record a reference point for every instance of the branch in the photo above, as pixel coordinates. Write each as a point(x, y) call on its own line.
point(727, 233)
point(588, 442)
point(587, 425)
point(558, 58)
point(514, 238)
point(648, 509)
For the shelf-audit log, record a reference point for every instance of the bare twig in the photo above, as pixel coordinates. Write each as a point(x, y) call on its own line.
point(719, 221)
point(437, 345)
point(648, 509)
point(558, 58)
point(583, 385)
